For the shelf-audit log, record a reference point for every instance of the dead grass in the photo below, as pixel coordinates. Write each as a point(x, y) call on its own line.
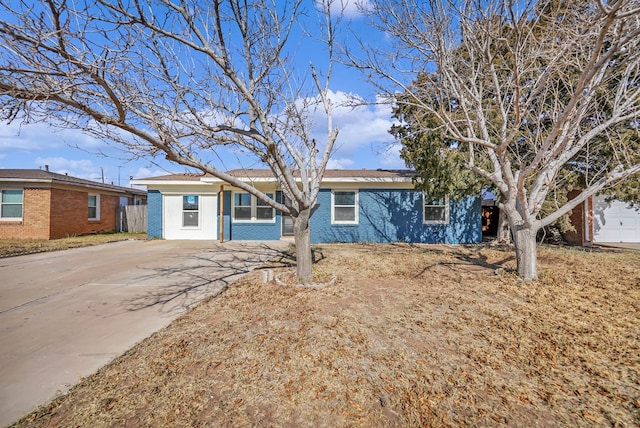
point(409, 336)
point(17, 247)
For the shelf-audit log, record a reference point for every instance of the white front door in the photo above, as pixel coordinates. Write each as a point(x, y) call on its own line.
point(190, 216)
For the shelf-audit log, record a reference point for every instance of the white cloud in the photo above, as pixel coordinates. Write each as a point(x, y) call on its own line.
point(32, 137)
point(350, 8)
point(40, 136)
point(63, 165)
point(363, 140)
point(82, 168)
point(17, 139)
point(390, 157)
point(340, 163)
point(360, 124)
point(144, 172)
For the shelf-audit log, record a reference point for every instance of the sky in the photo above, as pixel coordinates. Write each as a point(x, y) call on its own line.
point(363, 141)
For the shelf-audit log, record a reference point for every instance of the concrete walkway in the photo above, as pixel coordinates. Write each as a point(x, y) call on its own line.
point(65, 314)
point(624, 245)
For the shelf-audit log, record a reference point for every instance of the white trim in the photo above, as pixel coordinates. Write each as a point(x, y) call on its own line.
point(198, 211)
point(215, 180)
point(367, 180)
point(163, 183)
point(325, 180)
point(446, 206)
point(189, 192)
point(182, 186)
point(97, 217)
point(356, 207)
point(10, 219)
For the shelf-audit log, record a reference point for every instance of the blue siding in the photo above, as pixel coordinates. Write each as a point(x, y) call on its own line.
point(249, 230)
point(396, 216)
point(384, 216)
point(154, 214)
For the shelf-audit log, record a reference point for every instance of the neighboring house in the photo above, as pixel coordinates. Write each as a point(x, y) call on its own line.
point(354, 206)
point(38, 204)
point(598, 221)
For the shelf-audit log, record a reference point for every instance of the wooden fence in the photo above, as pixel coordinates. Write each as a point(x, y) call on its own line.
point(132, 218)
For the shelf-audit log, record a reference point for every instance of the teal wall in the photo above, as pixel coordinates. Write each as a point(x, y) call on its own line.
point(154, 214)
point(246, 231)
point(384, 216)
point(396, 216)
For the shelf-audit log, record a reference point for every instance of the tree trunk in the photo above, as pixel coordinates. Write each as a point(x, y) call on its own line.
point(503, 234)
point(524, 240)
point(302, 239)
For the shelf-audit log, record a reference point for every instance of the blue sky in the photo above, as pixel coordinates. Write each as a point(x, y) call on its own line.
point(363, 142)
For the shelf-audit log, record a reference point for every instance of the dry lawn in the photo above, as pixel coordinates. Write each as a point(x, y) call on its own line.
point(409, 336)
point(18, 247)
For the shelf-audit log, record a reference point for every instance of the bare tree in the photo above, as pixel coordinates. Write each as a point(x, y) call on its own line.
point(180, 79)
point(536, 95)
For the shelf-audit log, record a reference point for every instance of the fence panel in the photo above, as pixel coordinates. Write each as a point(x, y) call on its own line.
point(132, 218)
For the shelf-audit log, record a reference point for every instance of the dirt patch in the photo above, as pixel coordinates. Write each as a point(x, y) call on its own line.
point(408, 336)
point(18, 247)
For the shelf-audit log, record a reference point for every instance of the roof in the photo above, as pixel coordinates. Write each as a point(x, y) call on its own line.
point(43, 176)
point(267, 175)
point(331, 173)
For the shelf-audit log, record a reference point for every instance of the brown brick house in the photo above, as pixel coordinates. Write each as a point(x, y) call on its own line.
point(39, 204)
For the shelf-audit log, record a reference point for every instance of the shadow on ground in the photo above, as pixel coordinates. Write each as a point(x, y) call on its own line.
point(206, 274)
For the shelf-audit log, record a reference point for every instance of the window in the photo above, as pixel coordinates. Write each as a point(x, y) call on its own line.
point(344, 207)
point(94, 207)
point(247, 207)
point(435, 210)
point(190, 211)
point(263, 211)
point(11, 205)
point(242, 206)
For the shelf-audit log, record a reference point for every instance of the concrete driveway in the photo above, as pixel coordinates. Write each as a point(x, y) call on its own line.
point(624, 245)
point(65, 314)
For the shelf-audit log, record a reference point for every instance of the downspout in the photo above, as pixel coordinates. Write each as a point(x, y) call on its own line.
point(221, 204)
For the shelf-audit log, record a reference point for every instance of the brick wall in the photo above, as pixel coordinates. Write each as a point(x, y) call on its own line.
point(70, 213)
point(58, 213)
point(577, 219)
point(35, 222)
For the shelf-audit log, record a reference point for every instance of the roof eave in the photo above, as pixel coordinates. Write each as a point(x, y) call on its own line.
point(52, 181)
point(145, 182)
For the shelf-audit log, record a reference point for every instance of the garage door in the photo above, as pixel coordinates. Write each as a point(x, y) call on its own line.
point(190, 216)
point(615, 221)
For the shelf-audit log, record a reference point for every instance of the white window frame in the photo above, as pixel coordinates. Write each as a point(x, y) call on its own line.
point(12, 203)
point(197, 211)
point(97, 196)
point(356, 206)
point(254, 209)
point(426, 199)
